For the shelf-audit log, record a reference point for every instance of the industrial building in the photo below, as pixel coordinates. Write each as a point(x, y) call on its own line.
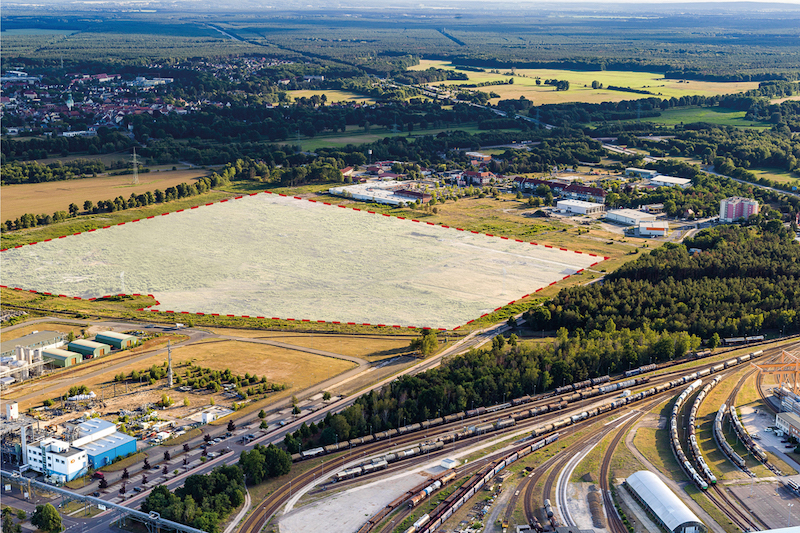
point(55, 459)
point(657, 228)
point(117, 340)
point(389, 193)
point(579, 207)
point(102, 442)
point(736, 207)
point(660, 180)
point(789, 423)
point(62, 358)
point(93, 443)
point(629, 217)
point(661, 503)
point(634, 172)
point(89, 349)
point(37, 339)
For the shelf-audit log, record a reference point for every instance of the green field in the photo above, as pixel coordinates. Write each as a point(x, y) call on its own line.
point(357, 135)
point(333, 95)
point(712, 115)
point(777, 175)
point(581, 84)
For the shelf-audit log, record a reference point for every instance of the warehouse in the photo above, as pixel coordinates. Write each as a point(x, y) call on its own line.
point(629, 217)
point(62, 358)
point(102, 442)
point(658, 228)
point(117, 340)
point(579, 207)
point(669, 181)
point(789, 423)
point(89, 349)
point(37, 339)
point(660, 502)
point(633, 172)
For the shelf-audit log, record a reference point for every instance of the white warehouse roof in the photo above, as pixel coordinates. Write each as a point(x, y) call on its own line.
point(662, 501)
point(578, 203)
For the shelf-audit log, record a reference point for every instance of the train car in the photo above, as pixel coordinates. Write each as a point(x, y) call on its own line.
point(391, 433)
point(741, 359)
point(297, 457)
point(505, 423)
point(437, 422)
point(331, 448)
point(500, 407)
point(380, 435)
point(757, 353)
point(476, 412)
point(312, 453)
point(548, 509)
point(600, 380)
point(368, 438)
point(730, 362)
point(521, 400)
point(565, 388)
point(453, 417)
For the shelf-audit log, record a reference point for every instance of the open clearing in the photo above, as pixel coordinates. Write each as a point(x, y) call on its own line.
point(370, 347)
point(332, 95)
point(778, 175)
point(712, 115)
point(52, 196)
point(295, 369)
point(280, 257)
point(525, 84)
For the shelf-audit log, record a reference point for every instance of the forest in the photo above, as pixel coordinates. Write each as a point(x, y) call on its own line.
point(203, 501)
point(728, 280)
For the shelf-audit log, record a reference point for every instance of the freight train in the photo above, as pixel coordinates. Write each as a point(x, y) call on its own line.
point(430, 489)
point(675, 443)
point(746, 439)
point(693, 447)
point(583, 384)
point(379, 463)
point(461, 495)
point(719, 436)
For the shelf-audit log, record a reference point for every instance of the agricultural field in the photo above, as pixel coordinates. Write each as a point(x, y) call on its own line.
point(581, 84)
point(712, 115)
point(52, 196)
point(273, 256)
point(332, 95)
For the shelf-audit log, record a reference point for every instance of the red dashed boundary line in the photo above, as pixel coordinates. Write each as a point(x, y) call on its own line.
point(600, 259)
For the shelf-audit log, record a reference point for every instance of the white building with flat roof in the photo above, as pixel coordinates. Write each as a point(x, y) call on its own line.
point(660, 180)
point(656, 228)
point(580, 207)
point(629, 217)
point(55, 458)
point(633, 172)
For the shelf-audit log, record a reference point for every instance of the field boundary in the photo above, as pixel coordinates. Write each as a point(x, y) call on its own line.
point(171, 312)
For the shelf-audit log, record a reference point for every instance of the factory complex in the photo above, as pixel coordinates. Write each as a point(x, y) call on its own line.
point(27, 356)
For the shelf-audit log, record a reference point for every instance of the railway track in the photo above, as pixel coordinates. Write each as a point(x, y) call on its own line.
point(275, 501)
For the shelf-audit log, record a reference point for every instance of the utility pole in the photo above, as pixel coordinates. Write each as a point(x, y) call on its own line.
point(169, 358)
point(135, 168)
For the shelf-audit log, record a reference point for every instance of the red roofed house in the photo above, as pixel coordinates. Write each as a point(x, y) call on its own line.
point(582, 192)
point(478, 178)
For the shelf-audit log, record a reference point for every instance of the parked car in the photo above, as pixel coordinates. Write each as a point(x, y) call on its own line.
point(96, 494)
point(138, 489)
point(98, 475)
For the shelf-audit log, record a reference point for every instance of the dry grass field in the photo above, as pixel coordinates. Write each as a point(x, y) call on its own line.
point(46, 326)
point(369, 347)
point(55, 196)
point(581, 84)
point(296, 369)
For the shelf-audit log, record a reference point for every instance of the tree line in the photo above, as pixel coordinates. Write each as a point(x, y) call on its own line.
point(740, 281)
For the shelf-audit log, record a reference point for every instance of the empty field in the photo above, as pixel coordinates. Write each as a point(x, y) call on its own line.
point(370, 347)
point(296, 369)
point(333, 95)
point(52, 196)
point(581, 84)
point(778, 175)
point(712, 115)
point(286, 258)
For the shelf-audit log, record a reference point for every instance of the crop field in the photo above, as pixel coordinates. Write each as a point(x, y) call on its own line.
point(52, 196)
point(712, 115)
point(280, 257)
point(581, 84)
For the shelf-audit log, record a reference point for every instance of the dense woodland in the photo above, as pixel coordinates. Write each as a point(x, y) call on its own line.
point(203, 501)
point(741, 281)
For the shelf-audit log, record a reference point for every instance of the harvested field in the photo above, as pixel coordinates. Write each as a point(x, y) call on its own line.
point(52, 196)
point(294, 259)
point(581, 84)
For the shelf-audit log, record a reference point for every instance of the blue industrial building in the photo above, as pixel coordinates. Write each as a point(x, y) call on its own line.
point(102, 442)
